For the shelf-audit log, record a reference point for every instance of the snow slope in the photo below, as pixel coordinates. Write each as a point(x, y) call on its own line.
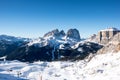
point(101, 67)
point(52, 41)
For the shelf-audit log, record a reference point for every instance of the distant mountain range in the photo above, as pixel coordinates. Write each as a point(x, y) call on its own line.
point(58, 45)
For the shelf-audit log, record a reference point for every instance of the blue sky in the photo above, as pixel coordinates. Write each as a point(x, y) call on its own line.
point(33, 18)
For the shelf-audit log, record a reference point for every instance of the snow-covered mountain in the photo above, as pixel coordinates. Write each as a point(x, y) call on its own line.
point(109, 38)
point(55, 45)
point(104, 36)
point(96, 58)
point(56, 38)
point(58, 45)
point(12, 38)
point(113, 45)
point(10, 43)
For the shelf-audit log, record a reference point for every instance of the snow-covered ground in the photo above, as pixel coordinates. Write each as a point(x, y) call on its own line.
point(101, 67)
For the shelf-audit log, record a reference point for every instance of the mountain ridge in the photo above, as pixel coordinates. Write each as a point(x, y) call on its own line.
point(58, 45)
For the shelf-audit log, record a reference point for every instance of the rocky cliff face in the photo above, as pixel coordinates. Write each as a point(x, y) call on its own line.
point(71, 34)
point(74, 34)
point(52, 33)
point(112, 46)
point(55, 33)
point(109, 38)
point(104, 36)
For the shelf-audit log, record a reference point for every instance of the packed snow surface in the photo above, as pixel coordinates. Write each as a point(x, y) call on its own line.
point(100, 67)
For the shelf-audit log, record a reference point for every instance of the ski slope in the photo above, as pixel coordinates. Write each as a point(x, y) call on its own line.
point(101, 67)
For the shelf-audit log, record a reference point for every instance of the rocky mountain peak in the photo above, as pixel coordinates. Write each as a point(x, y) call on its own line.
point(62, 33)
point(112, 46)
point(105, 35)
point(54, 32)
point(73, 33)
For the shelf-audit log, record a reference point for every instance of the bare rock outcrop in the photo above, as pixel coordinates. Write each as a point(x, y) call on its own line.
point(112, 46)
point(104, 36)
point(55, 33)
point(74, 34)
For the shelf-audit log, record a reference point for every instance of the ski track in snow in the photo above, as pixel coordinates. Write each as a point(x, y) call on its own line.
point(101, 67)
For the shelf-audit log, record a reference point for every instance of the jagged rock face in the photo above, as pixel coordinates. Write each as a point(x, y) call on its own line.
point(62, 33)
point(55, 33)
point(112, 46)
point(105, 35)
point(115, 39)
point(74, 34)
point(52, 33)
